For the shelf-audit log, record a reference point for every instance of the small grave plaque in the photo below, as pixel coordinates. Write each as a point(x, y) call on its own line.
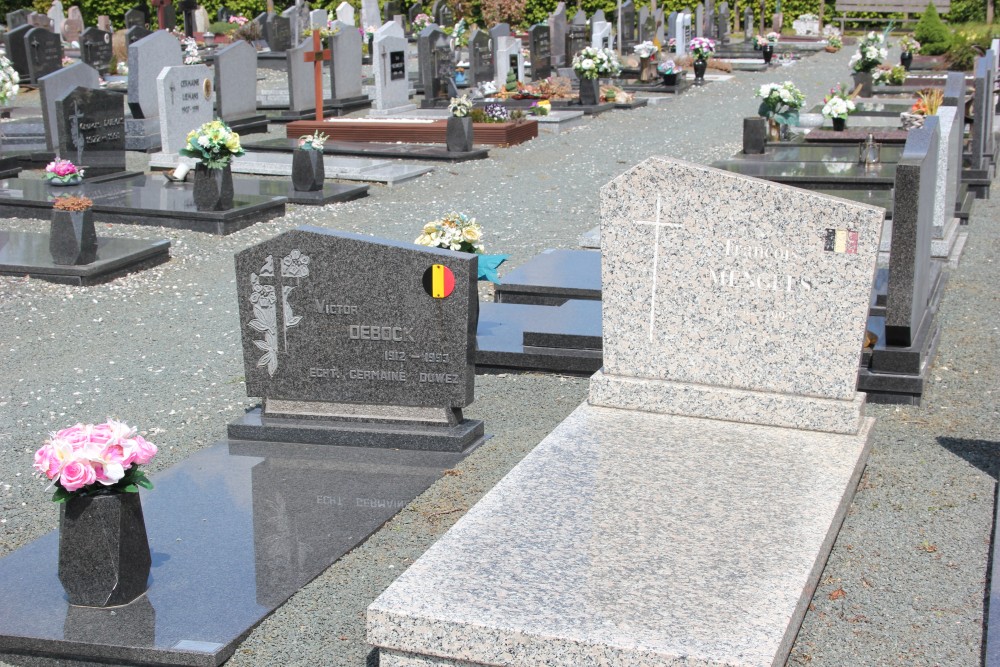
point(397, 65)
point(91, 129)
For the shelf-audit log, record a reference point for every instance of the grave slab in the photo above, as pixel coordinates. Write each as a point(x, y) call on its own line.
point(332, 193)
point(27, 254)
point(343, 168)
point(374, 150)
point(235, 530)
point(552, 277)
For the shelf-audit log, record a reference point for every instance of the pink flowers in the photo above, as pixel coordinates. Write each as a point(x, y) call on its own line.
point(238, 20)
point(61, 168)
point(106, 455)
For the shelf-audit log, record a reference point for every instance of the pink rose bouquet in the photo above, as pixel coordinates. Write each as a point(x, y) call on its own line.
point(63, 171)
point(89, 459)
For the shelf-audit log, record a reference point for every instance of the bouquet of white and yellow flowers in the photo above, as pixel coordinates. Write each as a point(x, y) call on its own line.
point(455, 231)
point(214, 143)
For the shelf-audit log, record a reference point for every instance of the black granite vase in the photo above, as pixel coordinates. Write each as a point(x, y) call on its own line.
point(72, 238)
point(669, 80)
point(768, 52)
point(839, 124)
point(906, 59)
point(459, 134)
point(103, 551)
point(213, 188)
point(699, 72)
point(308, 170)
point(590, 92)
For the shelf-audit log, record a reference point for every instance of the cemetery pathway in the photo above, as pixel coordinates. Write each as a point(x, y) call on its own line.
point(161, 349)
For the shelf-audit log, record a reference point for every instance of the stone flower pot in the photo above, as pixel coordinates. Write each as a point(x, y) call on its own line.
point(103, 551)
point(72, 238)
point(700, 66)
point(213, 188)
point(863, 79)
point(459, 134)
point(590, 92)
point(906, 60)
point(308, 170)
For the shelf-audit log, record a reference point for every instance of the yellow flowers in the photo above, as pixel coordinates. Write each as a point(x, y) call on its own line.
point(214, 143)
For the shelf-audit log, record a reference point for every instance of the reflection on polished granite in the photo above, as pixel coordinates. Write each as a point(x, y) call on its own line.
point(140, 200)
point(234, 531)
point(818, 153)
point(815, 175)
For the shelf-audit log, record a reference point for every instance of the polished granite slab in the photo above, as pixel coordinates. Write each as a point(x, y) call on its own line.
point(816, 175)
point(371, 170)
point(27, 254)
point(854, 134)
point(817, 153)
point(332, 193)
point(435, 152)
point(139, 200)
point(531, 337)
point(552, 277)
point(234, 530)
point(874, 107)
point(629, 538)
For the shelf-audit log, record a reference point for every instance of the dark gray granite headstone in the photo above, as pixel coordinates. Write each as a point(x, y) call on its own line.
point(91, 130)
point(671, 26)
point(392, 9)
point(437, 62)
point(334, 317)
point(17, 50)
point(627, 26)
point(748, 23)
point(135, 33)
point(909, 287)
point(95, 49)
point(981, 133)
point(576, 40)
point(279, 33)
point(557, 35)
point(169, 17)
point(40, 21)
point(481, 67)
point(541, 53)
point(722, 23)
point(45, 52)
point(135, 17)
point(580, 18)
point(53, 86)
point(17, 18)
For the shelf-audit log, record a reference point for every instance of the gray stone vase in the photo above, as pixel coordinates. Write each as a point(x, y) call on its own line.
point(72, 238)
point(103, 551)
point(590, 92)
point(308, 170)
point(459, 135)
point(863, 79)
point(213, 188)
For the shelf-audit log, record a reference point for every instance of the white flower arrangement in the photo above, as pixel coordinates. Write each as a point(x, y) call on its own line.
point(191, 55)
point(9, 81)
point(645, 49)
point(838, 107)
point(780, 102)
point(872, 50)
point(593, 63)
point(455, 231)
point(773, 37)
point(908, 44)
point(460, 107)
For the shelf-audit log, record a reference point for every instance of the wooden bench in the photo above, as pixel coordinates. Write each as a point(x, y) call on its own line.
point(905, 7)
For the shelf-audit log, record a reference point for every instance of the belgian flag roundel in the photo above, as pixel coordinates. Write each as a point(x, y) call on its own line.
point(439, 281)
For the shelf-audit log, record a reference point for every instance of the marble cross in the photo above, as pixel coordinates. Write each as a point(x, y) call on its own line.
point(657, 225)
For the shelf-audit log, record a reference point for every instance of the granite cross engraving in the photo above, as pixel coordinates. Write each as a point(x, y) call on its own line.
point(317, 56)
point(657, 225)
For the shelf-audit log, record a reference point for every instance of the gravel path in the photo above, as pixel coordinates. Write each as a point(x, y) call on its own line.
point(161, 349)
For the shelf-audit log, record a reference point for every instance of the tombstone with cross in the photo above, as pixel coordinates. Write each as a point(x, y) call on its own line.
point(392, 84)
point(316, 56)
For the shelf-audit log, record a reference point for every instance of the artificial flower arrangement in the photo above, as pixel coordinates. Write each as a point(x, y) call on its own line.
point(455, 231)
point(672, 44)
point(63, 172)
point(191, 55)
point(872, 50)
point(312, 142)
point(89, 459)
point(420, 21)
point(459, 33)
point(772, 37)
point(668, 67)
point(645, 49)
point(908, 44)
point(214, 143)
point(460, 107)
point(122, 69)
point(835, 42)
point(885, 75)
point(929, 102)
point(541, 108)
point(780, 102)
point(838, 104)
point(702, 48)
point(593, 63)
point(369, 32)
point(72, 203)
point(761, 41)
point(9, 81)
point(238, 20)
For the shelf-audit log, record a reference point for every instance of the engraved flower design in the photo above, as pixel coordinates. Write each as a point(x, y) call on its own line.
point(295, 265)
point(262, 295)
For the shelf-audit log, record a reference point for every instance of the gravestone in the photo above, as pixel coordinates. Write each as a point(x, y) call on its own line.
point(576, 40)
point(661, 35)
point(91, 129)
point(722, 27)
point(169, 17)
point(53, 86)
point(699, 20)
point(496, 32)
point(626, 37)
point(71, 30)
point(481, 67)
point(672, 26)
point(370, 15)
point(201, 19)
point(345, 13)
point(17, 49)
point(600, 34)
point(136, 17)
point(437, 63)
point(40, 21)
point(146, 57)
point(412, 13)
point(557, 35)
point(747, 24)
point(647, 25)
point(345, 65)
point(680, 33)
point(368, 340)
point(509, 57)
point(740, 272)
point(708, 28)
point(186, 99)
point(318, 19)
point(539, 48)
point(95, 49)
point(236, 82)
point(580, 18)
point(981, 142)
point(301, 78)
point(392, 86)
point(104, 23)
point(75, 14)
point(443, 14)
point(223, 13)
point(135, 33)
point(598, 16)
point(57, 16)
point(949, 159)
point(17, 18)
point(392, 9)
point(44, 51)
point(279, 33)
